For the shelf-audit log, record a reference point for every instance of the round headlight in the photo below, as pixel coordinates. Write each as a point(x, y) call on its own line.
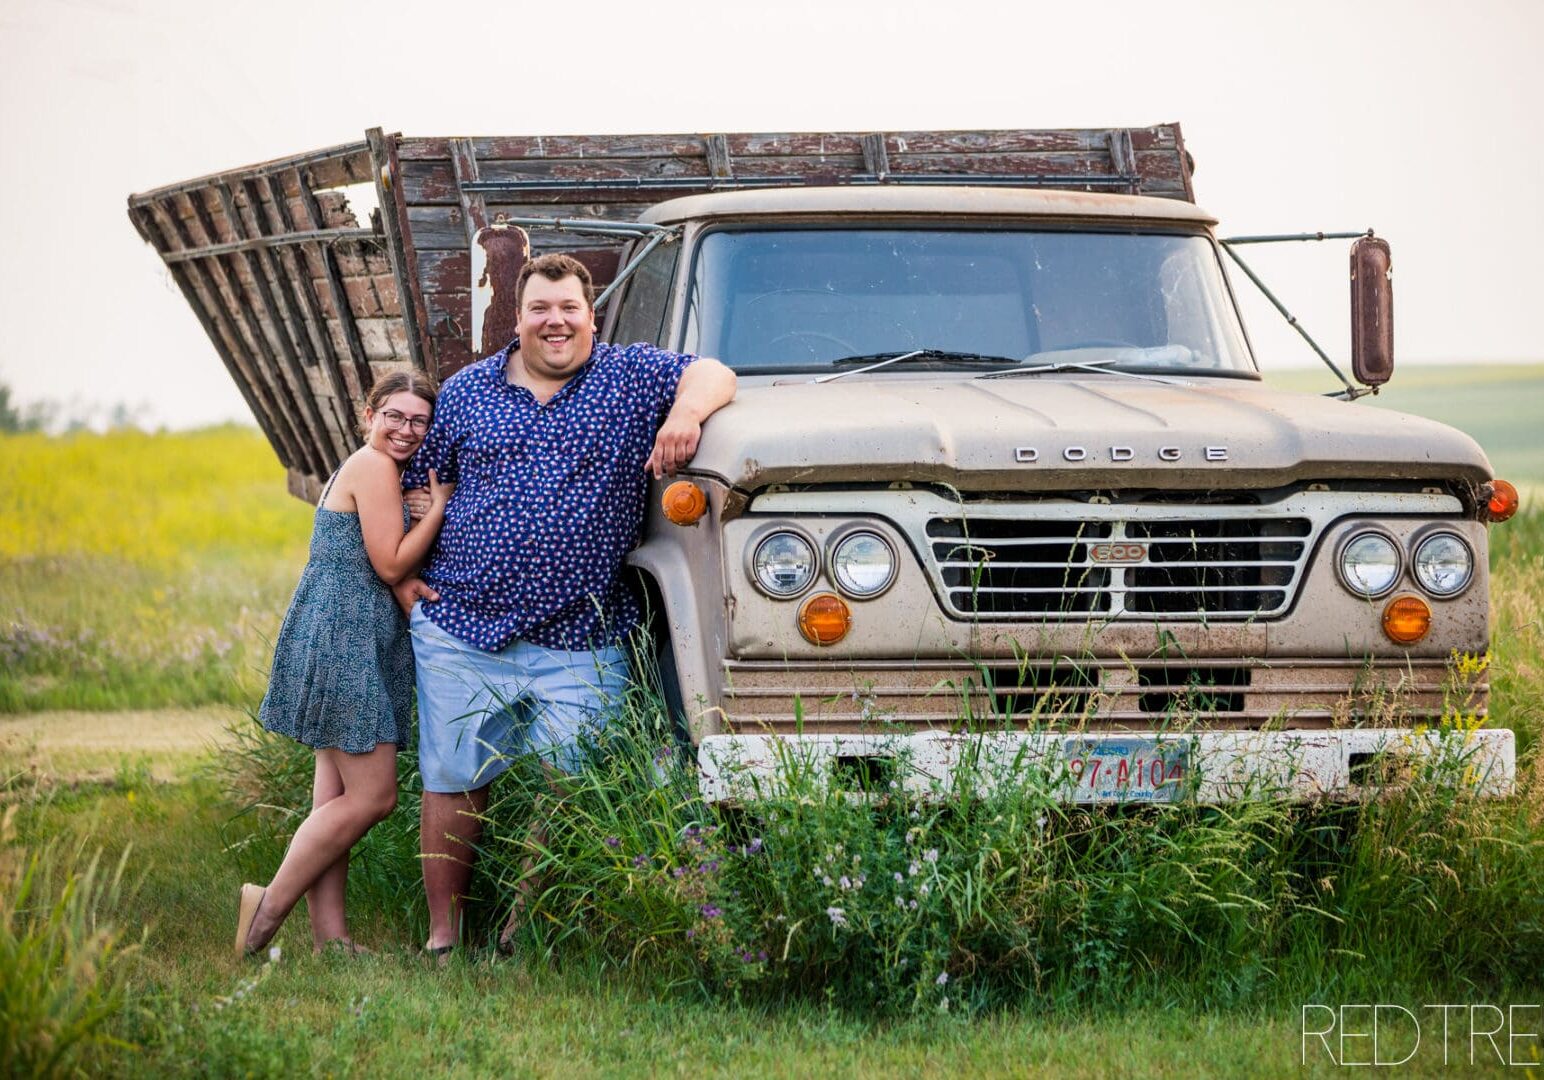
point(784, 564)
point(1444, 564)
point(863, 564)
point(1369, 564)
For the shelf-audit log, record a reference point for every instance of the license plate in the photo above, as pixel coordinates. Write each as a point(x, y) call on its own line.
point(1118, 769)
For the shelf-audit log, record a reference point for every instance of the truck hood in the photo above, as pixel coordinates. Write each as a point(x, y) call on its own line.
point(1055, 431)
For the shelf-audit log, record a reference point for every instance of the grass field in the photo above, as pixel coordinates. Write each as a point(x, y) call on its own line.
point(139, 588)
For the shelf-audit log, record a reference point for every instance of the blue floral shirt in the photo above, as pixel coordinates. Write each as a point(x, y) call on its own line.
point(549, 498)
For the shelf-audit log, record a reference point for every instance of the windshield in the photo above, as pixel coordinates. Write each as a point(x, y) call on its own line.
point(807, 299)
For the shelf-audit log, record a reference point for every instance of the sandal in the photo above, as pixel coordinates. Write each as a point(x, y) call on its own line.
point(246, 911)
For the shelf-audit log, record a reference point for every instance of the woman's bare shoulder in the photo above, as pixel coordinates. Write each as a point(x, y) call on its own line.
point(363, 472)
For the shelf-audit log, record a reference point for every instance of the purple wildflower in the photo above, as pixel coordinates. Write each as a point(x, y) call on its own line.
point(613, 843)
point(640, 860)
point(754, 847)
point(678, 872)
point(711, 911)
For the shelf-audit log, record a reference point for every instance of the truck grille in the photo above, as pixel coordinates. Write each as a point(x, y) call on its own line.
point(1222, 567)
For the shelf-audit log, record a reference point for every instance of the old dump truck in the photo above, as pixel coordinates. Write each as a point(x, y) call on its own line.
point(1002, 477)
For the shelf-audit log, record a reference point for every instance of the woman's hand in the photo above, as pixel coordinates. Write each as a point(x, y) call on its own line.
point(439, 494)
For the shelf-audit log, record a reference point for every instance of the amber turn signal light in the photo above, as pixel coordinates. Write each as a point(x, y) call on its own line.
point(824, 619)
point(1501, 502)
point(1406, 619)
point(684, 503)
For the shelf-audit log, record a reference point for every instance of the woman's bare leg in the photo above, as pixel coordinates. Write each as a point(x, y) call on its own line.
point(324, 900)
point(369, 794)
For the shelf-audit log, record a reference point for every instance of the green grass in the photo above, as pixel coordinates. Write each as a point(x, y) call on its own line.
point(195, 1010)
point(143, 570)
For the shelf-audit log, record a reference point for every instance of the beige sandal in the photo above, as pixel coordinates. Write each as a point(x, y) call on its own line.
point(251, 900)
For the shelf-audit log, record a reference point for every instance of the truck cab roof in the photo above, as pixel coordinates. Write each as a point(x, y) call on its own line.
point(933, 201)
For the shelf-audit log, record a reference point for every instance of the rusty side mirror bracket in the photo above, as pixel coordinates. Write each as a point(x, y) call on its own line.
point(1350, 393)
point(1372, 311)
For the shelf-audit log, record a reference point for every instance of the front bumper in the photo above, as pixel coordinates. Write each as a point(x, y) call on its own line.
point(1225, 766)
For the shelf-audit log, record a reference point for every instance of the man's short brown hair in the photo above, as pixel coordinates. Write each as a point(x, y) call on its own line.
point(555, 266)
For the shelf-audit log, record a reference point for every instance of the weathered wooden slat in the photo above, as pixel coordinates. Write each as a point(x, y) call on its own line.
point(474, 208)
point(238, 298)
point(521, 146)
point(451, 354)
point(333, 165)
point(226, 298)
point(450, 313)
point(304, 285)
point(260, 266)
point(427, 182)
point(1187, 161)
point(380, 343)
point(144, 220)
point(399, 240)
point(756, 144)
point(450, 269)
point(353, 346)
point(292, 319)
point(386, 294)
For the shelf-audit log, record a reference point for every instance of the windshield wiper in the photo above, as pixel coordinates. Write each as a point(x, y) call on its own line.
point(875, 361)
point(1100, 366)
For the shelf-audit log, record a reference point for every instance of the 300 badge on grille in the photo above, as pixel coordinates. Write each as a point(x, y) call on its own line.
point(1117, 553)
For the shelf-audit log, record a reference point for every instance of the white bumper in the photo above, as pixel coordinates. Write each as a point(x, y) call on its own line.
point(1224, 766)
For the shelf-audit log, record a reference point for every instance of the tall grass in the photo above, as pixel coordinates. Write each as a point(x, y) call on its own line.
point(64, 965)
point(843, 893)
point(140, 570)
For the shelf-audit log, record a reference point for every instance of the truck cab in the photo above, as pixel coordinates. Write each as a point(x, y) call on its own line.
point(1005, 457)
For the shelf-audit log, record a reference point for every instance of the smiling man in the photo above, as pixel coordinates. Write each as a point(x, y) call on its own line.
point(518, 638)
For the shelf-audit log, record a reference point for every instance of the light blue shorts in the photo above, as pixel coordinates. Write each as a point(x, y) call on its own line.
point(477, 710)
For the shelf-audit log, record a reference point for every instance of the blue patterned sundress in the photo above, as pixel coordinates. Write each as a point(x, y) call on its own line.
point(343, 666)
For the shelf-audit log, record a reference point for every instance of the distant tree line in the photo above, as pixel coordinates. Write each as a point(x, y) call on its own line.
point(53, 417)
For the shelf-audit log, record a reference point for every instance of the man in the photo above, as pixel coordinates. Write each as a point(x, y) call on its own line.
point(517, 640)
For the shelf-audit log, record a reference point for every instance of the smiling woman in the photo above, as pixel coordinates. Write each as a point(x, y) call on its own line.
point(342, 680)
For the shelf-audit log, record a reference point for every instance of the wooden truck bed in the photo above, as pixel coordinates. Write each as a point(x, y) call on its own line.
point(306, 304)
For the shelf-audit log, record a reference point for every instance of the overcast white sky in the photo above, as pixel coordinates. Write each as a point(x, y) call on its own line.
point(1419, 119)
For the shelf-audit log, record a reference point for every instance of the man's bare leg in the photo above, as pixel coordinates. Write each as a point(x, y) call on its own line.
point(449, 826)
point(535, 841)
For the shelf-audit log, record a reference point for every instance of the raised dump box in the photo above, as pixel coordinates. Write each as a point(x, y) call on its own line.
point(313, 274)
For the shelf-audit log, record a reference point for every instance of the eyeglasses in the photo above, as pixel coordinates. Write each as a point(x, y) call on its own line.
point(395, 420)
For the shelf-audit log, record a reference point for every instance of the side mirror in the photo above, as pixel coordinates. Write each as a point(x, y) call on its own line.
point(1372, 311)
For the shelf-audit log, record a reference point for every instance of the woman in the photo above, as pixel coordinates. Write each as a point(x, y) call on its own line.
point(342, 679)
